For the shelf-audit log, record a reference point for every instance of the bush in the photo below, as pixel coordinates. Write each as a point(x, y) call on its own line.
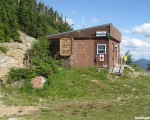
point(39, 57)
point(41, 64)
point(7, 39)
point(15, 36)
point(3, 49)
point(44, 69)
point(17, 74)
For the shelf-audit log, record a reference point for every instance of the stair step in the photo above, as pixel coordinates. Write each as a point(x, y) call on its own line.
point(118, 69)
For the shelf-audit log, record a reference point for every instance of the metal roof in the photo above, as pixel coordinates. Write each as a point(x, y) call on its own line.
point(85, 32)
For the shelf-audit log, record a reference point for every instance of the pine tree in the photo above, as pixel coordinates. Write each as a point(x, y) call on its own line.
point(22, 15)
point(34, 19)
point(2, 33)
point(129, 59)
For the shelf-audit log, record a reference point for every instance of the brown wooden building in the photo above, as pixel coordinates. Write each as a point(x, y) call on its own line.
point(97, 46)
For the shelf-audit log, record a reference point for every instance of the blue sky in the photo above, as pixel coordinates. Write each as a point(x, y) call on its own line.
point(131, 17)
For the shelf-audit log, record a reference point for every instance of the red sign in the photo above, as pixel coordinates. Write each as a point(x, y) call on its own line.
point(101, 58)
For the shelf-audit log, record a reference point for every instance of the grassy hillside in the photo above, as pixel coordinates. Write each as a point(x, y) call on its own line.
point(86, 94)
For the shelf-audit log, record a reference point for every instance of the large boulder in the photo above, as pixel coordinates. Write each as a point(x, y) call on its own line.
point(38, 82)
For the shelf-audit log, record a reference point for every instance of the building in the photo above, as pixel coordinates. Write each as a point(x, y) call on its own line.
point(97, 46)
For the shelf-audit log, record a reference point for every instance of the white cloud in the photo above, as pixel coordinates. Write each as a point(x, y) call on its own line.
point(143, 29)
point(95, 20)
point(138, 47)
point(137, 40)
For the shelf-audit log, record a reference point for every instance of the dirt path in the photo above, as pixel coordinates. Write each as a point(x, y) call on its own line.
point(12, 110)
point(136, 74)
point(16, 110)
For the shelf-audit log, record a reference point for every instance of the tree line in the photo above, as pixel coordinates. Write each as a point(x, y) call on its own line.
point(35, 19)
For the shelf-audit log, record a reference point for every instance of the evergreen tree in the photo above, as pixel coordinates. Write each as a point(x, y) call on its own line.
point(2, 33)
point(34, 19)
point(129, 59)
point(8, 20)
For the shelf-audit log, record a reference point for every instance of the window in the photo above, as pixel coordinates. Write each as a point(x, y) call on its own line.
point(101, 48)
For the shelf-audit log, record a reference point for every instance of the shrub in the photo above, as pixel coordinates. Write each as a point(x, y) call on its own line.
point(39, 57)
point(15, 36)
point(17, 74)
point(7, 39)
point(44, 69)
point(3, 49)
point(17, 39)
point(41, 64)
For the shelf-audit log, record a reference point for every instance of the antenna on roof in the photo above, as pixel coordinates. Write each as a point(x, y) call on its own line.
point(83, 22)
point(109, 17)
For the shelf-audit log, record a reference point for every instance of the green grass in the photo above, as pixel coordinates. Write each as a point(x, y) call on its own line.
point(71, 95)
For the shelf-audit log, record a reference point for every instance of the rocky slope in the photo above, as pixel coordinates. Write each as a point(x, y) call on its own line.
point(15, 54)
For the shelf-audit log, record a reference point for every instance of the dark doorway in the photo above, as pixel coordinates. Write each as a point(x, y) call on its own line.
point(54, 49)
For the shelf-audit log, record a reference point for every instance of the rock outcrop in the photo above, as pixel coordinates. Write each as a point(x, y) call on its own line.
point(15, 54)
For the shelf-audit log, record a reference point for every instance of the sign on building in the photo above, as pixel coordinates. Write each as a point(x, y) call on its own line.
point(100, 33)
point(65, 46)
point(101, 57)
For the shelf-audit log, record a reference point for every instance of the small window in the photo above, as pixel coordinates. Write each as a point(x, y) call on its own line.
point(101, 48)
